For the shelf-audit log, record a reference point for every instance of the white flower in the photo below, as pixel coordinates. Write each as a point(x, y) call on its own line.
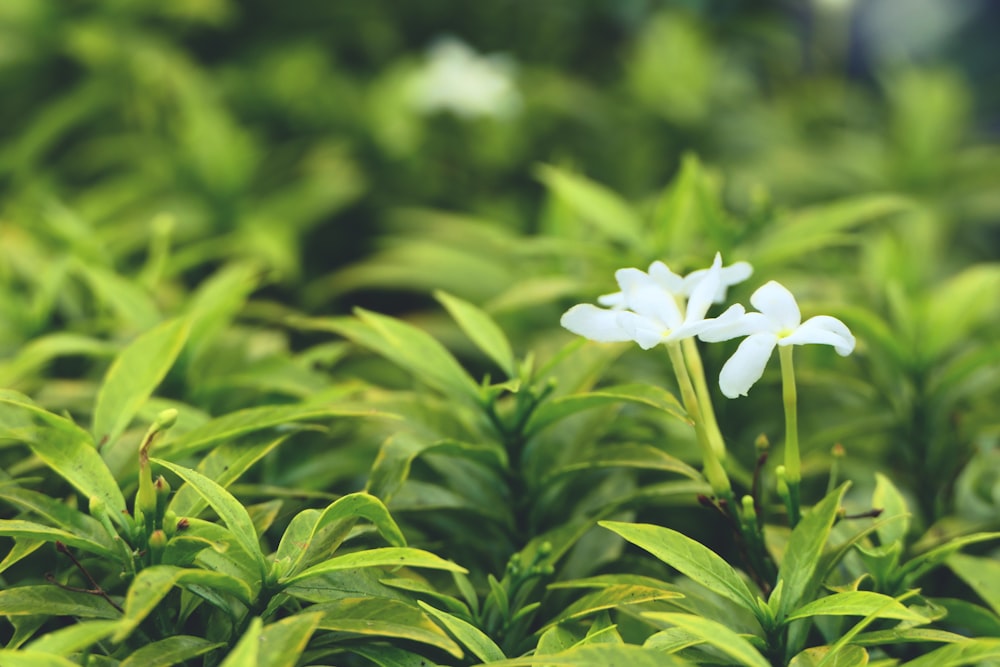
point(646, 309)
point(677, 286)
point(779, 322)
point(459, 80)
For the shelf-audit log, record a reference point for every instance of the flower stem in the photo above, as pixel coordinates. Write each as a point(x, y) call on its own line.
point(714, 472)
point(793, 466)
point(697, 373)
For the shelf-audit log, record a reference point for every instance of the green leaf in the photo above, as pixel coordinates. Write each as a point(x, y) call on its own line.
point(390, 656)
point(124, 296)
point(642, 394)
point(382, 557)
point(689, 557)
point(313, 536)
point(805, 545)
point(970, 652)
point(850, 656)
point(857, 603)
point(170, 651)
point(605, 655)
point(397, 454)
point(65, 448)
point(241, 422)
point(608, 213)
point(482, 330)
point(905, 635)
point(214, 304)
point(36, 354)
point(53, 601)
point(981, 574)
point(820, 226)
point(57, 512)
point(645, 457)
point(134, 375)
point(714, 634)
point(468, 635)
point(69, 640)
point(229, 509)
point(247, 650)
point(920, 565)
point(406, 346)
point(225, 464)
point(38, 531)
point(282, 643)
point(21, 550)
point(20, 658)
point(380, 617)
point(888, 498)
point(152, 584)
point(957, 306)
point(612, 597)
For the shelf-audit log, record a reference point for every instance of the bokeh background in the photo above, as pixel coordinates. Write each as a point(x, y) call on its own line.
point(297, 132)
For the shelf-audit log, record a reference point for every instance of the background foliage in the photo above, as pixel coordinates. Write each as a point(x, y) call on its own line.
point(241, 212)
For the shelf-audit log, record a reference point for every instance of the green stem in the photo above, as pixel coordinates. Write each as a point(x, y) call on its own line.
point(793, 465)
point(714, 472)
point(697, 372)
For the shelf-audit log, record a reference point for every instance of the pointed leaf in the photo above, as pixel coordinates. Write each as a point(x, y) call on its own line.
point(151, 585)
point(850, 656)
point(857, 603)
point(170, 651)
point(53, 601)
point(21, 658)
point(134, 375)
point(282, 643)
point(605, 210)
point(714, 634)
point(28, 529)
point(72, 639)
point(689, 557)
point(970, 652)
point(645, 457)
point(241, 422)
point(981, 574)
point(613, 597)
point(383, 557)
point(605, 655)
point(65, 448)
point(313, 536)
point(467, 634)
point(649, 395)
point(229, 509)
point(225, 464)
point(805, 545)
point(380, 617)
point(888, 498)
point(247, 650)
point(482, 330)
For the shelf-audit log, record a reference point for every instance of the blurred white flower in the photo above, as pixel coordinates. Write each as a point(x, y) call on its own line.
point(779, 322)
point(646, 309)
point(457, 79)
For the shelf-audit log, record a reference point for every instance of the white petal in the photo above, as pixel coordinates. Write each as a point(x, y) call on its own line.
point(647, 332)
point(666, 278)
point(824, 330)
point(704, 292)
point(647, 298)
point(615, 300)
point(729, 276)
point(594, 323)
point(778, 304)
point(736, 273)
point(733, 323)
point(746, 365)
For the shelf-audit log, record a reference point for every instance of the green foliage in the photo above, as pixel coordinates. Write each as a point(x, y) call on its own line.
point(283, 382)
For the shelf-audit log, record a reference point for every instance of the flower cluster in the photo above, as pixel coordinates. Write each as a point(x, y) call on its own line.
point(660, 306)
